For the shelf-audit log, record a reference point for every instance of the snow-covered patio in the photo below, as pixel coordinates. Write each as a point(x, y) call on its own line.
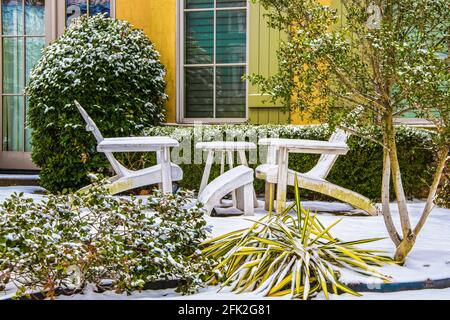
point(430, 259)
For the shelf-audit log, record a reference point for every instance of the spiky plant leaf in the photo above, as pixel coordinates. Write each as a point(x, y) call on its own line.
point(290, 255)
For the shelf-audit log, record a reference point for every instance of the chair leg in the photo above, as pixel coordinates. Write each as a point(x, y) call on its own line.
point(158, 161)
point(270, 194)
point(166, 173)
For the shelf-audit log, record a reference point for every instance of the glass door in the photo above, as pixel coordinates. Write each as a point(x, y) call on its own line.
point(23, 36)
point(26, 27)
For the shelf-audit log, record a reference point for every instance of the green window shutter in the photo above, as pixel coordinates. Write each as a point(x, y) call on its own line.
point(264, 43)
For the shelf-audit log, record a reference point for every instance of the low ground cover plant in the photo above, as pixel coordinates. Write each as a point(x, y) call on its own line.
point(68, 241)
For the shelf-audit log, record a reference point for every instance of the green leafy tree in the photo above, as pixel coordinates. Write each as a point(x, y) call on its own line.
point(386, 58)
point(115, 73)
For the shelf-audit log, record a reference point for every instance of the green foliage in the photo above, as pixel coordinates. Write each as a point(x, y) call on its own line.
point(388, 57)
point(360, 170)
point(283, 255)
point(444, 195)
point(114, 71)
point(66, 242)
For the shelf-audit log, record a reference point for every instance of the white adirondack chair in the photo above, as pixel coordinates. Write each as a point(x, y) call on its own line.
point(314, 180)
point(239, 179)
point(162, 174)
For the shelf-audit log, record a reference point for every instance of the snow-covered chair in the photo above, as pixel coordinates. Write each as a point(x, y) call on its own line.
point(239, 179)
point(315, 179)
point(163, 174)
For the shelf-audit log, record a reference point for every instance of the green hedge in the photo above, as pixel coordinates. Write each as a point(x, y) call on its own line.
point(360, 170)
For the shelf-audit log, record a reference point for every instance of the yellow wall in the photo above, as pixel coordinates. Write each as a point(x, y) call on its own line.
point(158, 19)
point(296, 117)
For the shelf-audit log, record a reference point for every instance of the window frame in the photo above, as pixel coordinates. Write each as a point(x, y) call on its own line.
point(180, 58)
point(55, 18)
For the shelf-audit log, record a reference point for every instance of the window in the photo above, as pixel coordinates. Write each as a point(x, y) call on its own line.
point(213, 57)
point(77, 8)
point(23, 36)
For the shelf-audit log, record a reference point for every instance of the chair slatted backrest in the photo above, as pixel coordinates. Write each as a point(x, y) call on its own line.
point(92, 127)
point(327, 161)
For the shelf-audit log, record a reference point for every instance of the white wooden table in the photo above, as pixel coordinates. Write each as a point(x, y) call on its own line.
point(286, 146)
point(226, 150)
point(160, 145)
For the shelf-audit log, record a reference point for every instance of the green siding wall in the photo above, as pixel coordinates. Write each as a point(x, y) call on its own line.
point(264, 43)
point(337, 4)
point(268, 115)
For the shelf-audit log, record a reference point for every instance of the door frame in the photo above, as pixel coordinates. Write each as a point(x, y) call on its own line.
point(21, 160)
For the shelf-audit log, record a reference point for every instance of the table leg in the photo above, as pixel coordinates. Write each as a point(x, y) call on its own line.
point(222, 162)
point(208, 166)
point(244, 161)
point(231, 164)
point(166, 171)
point(222, 166)
point(283, 162)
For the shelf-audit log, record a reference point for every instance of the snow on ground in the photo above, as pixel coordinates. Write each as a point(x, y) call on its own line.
point(213, 294)
point(29, 191)
point(430, 258)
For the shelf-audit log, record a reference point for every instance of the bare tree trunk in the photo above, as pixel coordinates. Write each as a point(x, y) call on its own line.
point(397, 178)
point(409, 238)
point(405, 248)
point(386, 200)
point(442, 160)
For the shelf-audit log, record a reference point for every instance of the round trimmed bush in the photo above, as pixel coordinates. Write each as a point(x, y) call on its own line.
point(114, 71)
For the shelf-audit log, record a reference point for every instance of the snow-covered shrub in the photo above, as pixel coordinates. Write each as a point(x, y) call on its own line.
point(66, 242)
point(115, 73)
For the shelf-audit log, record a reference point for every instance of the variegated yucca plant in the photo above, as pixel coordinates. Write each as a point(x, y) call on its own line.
point(283, 255)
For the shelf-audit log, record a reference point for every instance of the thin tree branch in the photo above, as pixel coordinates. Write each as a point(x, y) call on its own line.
point(430, 204)
point(356, 133)
point(352, 88)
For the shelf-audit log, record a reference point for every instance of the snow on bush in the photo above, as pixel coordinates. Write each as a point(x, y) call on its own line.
point(115, 73)
point(69, 241)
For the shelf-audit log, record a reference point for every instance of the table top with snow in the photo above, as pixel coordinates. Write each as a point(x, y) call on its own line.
point(136, 144)
point(226, 145)
point(307, 146)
